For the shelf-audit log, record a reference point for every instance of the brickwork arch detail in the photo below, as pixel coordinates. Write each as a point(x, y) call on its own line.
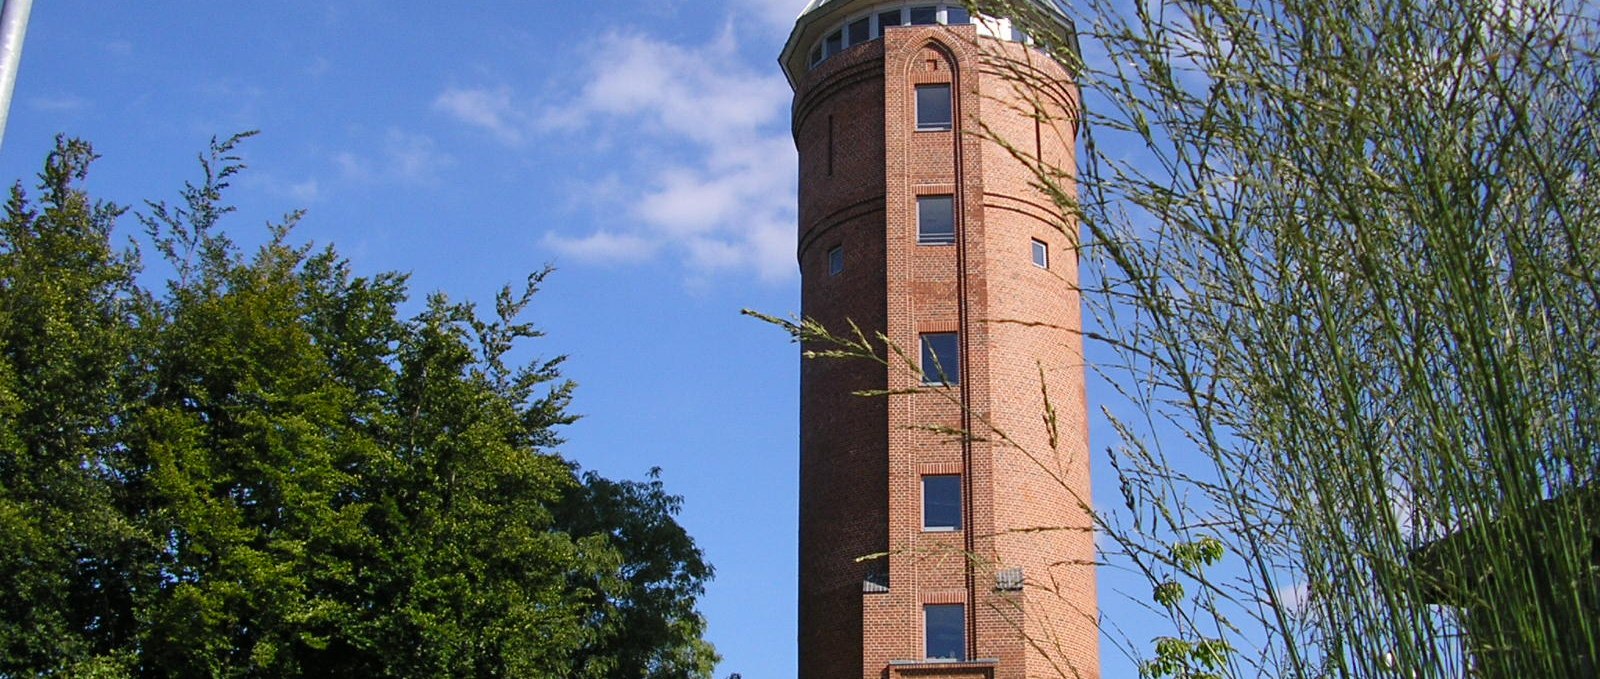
point(916, 68)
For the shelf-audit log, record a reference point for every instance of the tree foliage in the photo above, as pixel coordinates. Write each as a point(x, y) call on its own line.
point(1344, 256)
point(263, 469)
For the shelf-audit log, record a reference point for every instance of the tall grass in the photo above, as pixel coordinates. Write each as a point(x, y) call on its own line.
point(1344, 254)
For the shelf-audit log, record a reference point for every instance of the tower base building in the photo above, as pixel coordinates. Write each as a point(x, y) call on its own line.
point(923, 552)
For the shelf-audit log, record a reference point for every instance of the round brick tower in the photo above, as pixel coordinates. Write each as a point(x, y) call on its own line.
point(924, 553)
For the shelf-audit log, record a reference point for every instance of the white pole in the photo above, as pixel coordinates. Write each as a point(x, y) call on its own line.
point(13, 28)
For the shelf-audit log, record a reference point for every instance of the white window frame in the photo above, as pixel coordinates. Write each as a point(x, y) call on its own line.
point(875, 29)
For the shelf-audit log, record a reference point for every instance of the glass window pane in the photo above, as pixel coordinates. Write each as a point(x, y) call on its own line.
point(1041, 254)
point(835, 261)
point(936, 220)
point(835, 43)
point(946, 628)
point(859, 31)
point(956, 16)
point(941, 358)
point(941, 502)
point(923, 16)
point(887, 19)
point(933, 107)
point(816, 55)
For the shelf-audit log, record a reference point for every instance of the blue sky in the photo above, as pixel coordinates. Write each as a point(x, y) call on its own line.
point(641, 147)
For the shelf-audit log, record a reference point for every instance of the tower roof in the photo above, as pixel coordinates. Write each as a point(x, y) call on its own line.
point(821, 15)
point(812, 5)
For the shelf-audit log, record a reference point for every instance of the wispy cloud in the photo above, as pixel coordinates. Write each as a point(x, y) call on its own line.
point(57, 104)
point(488, 109)
point(304, 192)
point(604, 246)
point(300, 193)
point(707, 143)
point(777, 14)
point(401, 157)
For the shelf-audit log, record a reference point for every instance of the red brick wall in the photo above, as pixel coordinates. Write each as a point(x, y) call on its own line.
point(862, 165)
point(843, 438)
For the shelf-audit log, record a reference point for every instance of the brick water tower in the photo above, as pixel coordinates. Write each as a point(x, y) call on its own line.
point(923, 553)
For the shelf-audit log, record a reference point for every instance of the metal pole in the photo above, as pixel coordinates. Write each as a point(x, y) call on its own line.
point(13, 28)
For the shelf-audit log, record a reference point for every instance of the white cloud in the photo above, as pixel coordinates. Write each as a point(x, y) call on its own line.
point(304, 192)
point(318, 67)
point(779, 15)
point(705, 148)
point(299, 193)
point(688, 202)
point(60, 104)
point(728, 204)
point(773, 247)
point(704, 93)
point(487, 109)
point(402, 157)
point(1294, 596)
point(603, 247)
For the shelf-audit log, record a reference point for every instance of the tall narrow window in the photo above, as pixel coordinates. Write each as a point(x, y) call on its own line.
point(888, 19)
point(945, 631)
point(936, 220)
point(859, 30)
point(1041, 254)
point(836, 260)
point(933, 107)
point(941, 358)
point(941, 503)
point(834, 43)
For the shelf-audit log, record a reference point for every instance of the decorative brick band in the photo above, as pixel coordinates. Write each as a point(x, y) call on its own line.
point(952, 325)
point(944, 596)
point(939, 468)
point(811, 234)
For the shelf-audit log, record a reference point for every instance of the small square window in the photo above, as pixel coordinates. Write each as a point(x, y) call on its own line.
point(941, 359)
point(936, 220)
point(816, 55)
point(956, 16)
point(941, 503)
point(859, 30)
point(888, 19)
point(836, 260)
point(945, 631)
point(1041, 254)
point(924, 16)
point(933, 107)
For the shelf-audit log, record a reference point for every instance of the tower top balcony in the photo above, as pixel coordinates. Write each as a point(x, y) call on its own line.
point(828, 27)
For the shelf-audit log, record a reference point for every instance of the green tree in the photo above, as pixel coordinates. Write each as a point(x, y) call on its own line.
point(651, 630)
point(68, 313)
point(265, 470)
